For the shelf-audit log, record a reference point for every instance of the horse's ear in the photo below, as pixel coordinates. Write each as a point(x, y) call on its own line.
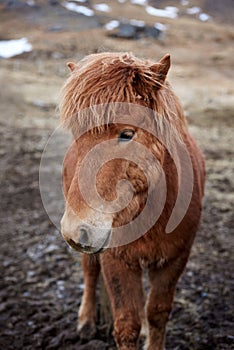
point(161, 68)
point(71, 66)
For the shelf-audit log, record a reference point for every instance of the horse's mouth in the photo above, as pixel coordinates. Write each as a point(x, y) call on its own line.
point(90, 249)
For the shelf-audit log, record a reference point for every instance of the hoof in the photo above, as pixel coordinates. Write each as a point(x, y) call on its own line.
point(86, 331)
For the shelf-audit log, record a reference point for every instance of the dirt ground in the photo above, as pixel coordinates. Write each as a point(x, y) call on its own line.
point(41, 279)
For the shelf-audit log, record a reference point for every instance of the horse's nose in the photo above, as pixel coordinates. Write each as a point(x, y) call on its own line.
point(84, 237)
point(89, 240)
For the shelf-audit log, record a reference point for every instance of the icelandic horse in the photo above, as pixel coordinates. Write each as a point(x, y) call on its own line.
point(96, 85)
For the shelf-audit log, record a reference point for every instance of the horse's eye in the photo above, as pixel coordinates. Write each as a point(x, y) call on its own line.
point(126, 135)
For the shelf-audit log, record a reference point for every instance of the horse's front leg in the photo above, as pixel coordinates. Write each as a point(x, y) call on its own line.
point(87, 312)
point(163, 283)
point(124, 287)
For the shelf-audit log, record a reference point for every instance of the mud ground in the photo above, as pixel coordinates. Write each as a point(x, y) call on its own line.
point(41, 279)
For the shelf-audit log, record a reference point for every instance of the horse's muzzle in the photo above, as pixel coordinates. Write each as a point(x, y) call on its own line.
point(90, 241)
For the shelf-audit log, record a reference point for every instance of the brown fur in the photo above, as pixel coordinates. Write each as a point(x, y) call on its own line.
point(114, 77)
point(128, 79)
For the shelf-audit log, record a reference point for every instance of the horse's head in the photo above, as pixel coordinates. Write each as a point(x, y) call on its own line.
point(111, 181)
point(110, 102)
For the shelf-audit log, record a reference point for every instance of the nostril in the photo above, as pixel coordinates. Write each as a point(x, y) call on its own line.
point(83, 236)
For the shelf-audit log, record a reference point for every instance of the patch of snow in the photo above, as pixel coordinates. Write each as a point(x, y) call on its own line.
point(204, 17)
point(102, 7)
point(137, 23)
point(30, 273)
point(111, 25)
point(36, 252)
point(51, 248)
point(83, 1)
point(11, 48)
point(81, 286)
point(60, 285)
point(78, 8)
point(139, 2)
point(193, 10)
point(121, 1)
point(169, 11)
point(160, 26)
point(172, 9)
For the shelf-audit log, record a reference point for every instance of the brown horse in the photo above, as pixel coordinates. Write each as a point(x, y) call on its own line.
point(143, 210)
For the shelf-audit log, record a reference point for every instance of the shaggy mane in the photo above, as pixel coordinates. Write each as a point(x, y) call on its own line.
point(116, 77)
